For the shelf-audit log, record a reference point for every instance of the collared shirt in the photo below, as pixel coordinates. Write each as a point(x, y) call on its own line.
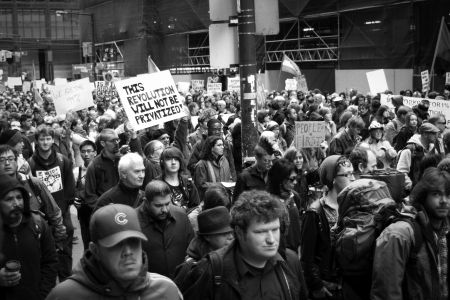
point(255, 283)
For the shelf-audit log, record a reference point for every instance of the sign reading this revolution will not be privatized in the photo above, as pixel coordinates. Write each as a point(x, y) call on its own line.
point(150, 99)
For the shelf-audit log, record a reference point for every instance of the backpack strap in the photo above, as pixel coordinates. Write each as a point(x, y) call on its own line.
point(217, 270)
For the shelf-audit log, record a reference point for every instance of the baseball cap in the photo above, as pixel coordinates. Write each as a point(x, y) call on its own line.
point(428, 127)
point(114, 223)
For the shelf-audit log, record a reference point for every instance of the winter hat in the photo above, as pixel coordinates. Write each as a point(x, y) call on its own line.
point(215, 220)
point(428, 128)
point(328, 170)
point(10, 137)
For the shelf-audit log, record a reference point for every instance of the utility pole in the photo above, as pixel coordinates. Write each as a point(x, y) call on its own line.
point(247, 70)
point(94, 60)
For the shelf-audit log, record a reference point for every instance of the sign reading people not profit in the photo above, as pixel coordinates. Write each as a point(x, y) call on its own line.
point(309, 134)
point(150, 99)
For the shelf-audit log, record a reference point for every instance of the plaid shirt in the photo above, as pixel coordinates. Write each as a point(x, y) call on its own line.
point(441, 240)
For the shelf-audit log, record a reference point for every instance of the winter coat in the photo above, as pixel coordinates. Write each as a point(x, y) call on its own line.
point(383, 150)
point(342, 144)
point(392, 129)
point(203, 177)
point(397, 275)
point(167, 243)
point(121, 194)
point(32, 244)
point(249, 179)
point(190, 195)
point(91, 281)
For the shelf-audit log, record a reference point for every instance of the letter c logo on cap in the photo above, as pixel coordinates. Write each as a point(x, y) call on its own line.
point(120, 218)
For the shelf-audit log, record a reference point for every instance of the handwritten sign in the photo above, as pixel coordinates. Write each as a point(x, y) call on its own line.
point(150, 99)
point(14, 81)
point(234, 84)
point(290, 84)
point(198, 84)
point(377, 81)
point(75, 95)
point(60, 81)
point(214, 87)
point(183, 86)
point(309, 134)
point(26, 86)
point(425, 80)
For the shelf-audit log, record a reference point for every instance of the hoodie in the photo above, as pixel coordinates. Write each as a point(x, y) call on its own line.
point(90, 280)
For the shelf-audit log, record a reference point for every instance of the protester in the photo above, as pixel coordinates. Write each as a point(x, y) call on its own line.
point(406, 132)
point(383, 150)
point(115, 265)
point(392, 129)
point(344, 142)
point(298, 158)
point(166, 227)
point(363, 161)
point(15, 139)
point(29, 266)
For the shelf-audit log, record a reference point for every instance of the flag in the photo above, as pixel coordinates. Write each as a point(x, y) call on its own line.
point(152, 67)
point(441, 59)
point(37, 97)
point(289, 66)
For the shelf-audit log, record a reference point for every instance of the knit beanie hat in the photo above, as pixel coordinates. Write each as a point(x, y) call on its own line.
point(327, 170)
point(10, 137)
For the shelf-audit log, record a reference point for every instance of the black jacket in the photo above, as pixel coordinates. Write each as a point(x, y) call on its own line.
point(249, 179)
point(121, 194)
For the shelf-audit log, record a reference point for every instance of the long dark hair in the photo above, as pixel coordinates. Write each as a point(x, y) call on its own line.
point(172, 152)
point(207, 147)
point(280, 171)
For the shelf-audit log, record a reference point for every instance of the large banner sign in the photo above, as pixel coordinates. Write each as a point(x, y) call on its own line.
point(309, 134)
point(436, 106)
point(150, 99)
point(75, 95)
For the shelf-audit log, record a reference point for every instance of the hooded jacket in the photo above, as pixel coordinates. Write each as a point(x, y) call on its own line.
point(91, 281)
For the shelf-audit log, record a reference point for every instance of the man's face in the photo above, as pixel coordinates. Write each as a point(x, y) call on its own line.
point(11, 206)
point(158, 148)
point(215, 129)
point(134, 177)
point(122, 261)
point(87, 154)
point(354, 131)
point(19, 147)
point(266, 162)
point(111, 144)
point(344, 176)
point(261, 240)
point(159, 207)
point(293, 114)
point(8, 163)
point(371, 163)
point(436, 204)
point(45, 142)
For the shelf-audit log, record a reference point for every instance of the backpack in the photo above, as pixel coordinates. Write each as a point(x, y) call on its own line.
point(365, 210)
point(184, 270)
point(394, 179)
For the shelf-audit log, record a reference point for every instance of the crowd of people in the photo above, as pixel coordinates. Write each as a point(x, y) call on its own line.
point(174, 211)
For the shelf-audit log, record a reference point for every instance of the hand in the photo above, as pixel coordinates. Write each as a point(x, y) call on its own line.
point(8, 278)
point(322, 293)
point(124, 149)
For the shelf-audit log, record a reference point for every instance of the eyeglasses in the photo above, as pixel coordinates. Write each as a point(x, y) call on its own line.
point(7, 159)
point(348, 175)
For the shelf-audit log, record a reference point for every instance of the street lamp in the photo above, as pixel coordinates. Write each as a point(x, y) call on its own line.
point(91, 15)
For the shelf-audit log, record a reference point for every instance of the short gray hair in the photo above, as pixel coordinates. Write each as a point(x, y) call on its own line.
point(127, 160)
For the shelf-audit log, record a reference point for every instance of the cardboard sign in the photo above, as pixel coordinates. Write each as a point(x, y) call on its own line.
point(75, 95)
point(14, 81)
point(183, 87)
point(309, 134)
point(377, 81)
point(436, 106)
point(290, 84)
point(150, 100)
point(26, 86)
point(198, 85)
point(234, 84)
point(425, 81)
point(60, 81)
point(447, 78)
point(214, 87)
point(302, 85)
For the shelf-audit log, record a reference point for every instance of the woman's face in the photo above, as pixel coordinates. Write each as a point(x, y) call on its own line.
point(172, 165)
point(289, 183)
point(217, 149)
point(376, 134)
point(328, 116)
point(413, 121)
point(298, 161)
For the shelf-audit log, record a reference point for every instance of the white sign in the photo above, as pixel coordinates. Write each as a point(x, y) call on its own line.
point(425, 81)
point(26, 86)
point(436, 106)
point(75, 95)
point(447, 78)
point(377, 81)
point(150, 100)
point(183, 87)
point(290, 84)
point(234, 84)
point(60, 81)
point(14, 81)
point(51, 178)
point(214, 87)
point(309, 134)
point(198, 84)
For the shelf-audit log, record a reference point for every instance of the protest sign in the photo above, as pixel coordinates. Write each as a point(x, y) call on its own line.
point(436, 106)
point(14, 81)
point(51, 178)
point(183, 87)
point(60, 81)
point(150, 100)
point(447, 78)
point(75, 95)
point(302, 85)
point(425, 81)
point(234, 84)
point(309, 134)
point(214, 87)
point(26, 86)
point(198, 84)
point(290, 84)
point(377, 81)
